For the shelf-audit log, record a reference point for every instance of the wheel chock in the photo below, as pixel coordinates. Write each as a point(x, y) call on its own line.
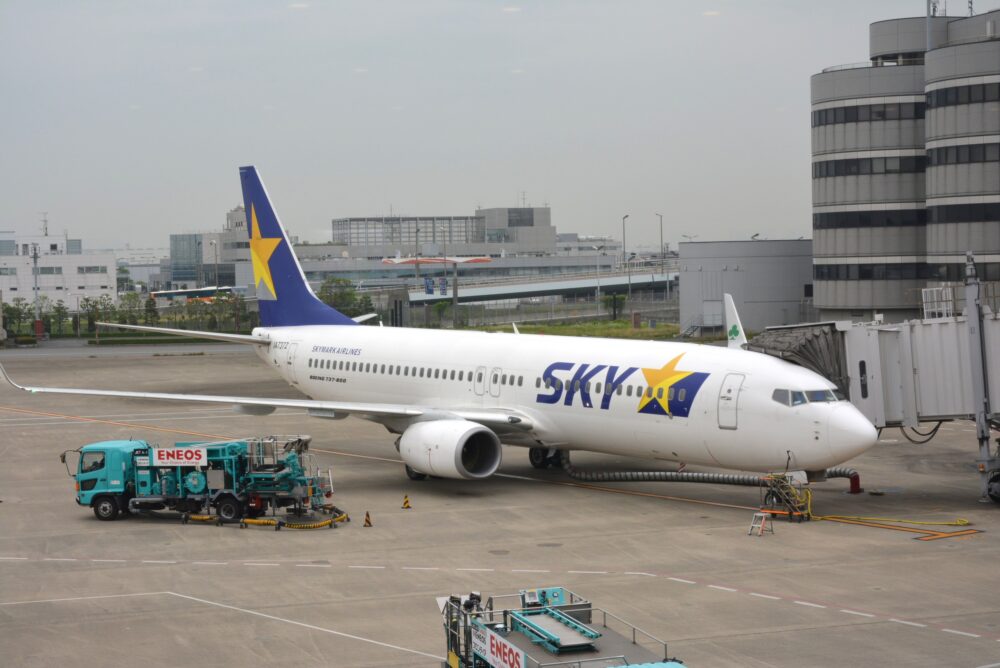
point(368, 519)
point(406, 502)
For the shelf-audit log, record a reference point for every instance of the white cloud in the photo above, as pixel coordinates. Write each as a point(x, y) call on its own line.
point(712, 12)
point(299, 5)
point(511, 9)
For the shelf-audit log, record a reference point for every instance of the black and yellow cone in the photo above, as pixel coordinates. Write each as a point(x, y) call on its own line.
point(368, 519)
point(406, 502)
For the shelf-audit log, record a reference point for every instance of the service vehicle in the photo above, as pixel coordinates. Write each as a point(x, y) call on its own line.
point(239, 478)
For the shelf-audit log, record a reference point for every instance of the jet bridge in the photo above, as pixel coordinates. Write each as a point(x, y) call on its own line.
point(945, 366)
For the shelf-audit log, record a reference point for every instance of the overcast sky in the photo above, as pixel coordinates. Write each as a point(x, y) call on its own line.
point(127, 121)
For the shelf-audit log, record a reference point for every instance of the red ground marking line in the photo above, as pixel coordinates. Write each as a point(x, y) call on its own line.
point(133, 425)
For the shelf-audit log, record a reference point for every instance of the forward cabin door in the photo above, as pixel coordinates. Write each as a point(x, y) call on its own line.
point(495, 381)
point(291, 361)
point(729, 400)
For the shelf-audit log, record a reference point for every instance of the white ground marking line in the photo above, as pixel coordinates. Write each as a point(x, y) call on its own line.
point(314, 565)
point(366, 566)
point(687, 582)
point(157, 561)
point(859, 614)
point(648, 575)
point(251, 563)
point(421, 568)
point(477, 570)
point(109, 561)
point(962, 633)
point(306, 626)
point(589, 572)
point(13, 558)
point(903, 621)
point(210, 563)
point(59, 559)
point(767, 596)
point(528, 570)
point(85, 598)
point(721, 588)
point(807, 603)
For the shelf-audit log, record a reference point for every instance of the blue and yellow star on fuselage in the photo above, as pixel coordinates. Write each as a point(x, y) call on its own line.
point(261, 250)
point(666, 378)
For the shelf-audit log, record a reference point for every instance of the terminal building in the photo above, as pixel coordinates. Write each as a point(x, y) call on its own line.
point(906, 166)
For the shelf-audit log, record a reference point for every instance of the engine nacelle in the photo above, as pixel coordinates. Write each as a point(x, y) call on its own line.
point(451, 449)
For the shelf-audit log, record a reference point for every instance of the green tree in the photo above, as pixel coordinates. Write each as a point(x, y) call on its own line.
point(340, 294)
point(129, 305)
point(106, 308)
point(59, 314)
point(150, 315)
point(89, 306)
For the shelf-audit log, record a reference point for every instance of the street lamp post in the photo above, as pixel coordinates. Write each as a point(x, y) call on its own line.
point(454, 280)
point(598, 249)
point(215, 270)
point(628, 267)
point(663, 253)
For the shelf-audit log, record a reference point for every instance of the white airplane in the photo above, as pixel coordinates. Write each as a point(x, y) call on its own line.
point(455, 396)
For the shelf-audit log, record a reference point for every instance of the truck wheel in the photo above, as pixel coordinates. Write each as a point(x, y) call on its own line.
point(228, 509)
point(106, 508)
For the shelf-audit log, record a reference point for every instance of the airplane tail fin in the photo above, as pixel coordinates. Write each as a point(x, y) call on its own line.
point(734, 328)
point(283, 293)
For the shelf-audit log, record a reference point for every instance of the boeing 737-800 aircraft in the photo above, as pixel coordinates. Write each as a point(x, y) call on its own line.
point(454, 396)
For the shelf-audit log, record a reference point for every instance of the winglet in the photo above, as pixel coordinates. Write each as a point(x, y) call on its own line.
point(734, 328)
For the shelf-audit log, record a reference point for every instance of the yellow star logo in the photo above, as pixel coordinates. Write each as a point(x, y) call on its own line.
point(261, 250)
point(662, 378)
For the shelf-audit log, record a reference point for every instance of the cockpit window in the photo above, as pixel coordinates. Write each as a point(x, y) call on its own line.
point(819, 396)
point(781, 396)
point(798, 398)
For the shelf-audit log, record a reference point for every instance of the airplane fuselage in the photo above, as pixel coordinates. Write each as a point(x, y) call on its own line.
point(679, 402)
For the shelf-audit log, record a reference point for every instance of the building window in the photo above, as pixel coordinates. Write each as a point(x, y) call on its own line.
point(868, 112)
point(909, 164)
point(93, 269)
point(974, 94)
point(959, 155)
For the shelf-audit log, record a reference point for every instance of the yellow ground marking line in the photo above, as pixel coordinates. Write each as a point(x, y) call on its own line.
point(926, 534)
point(80, 418)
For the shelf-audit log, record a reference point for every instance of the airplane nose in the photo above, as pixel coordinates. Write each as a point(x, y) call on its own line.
point(850, 432)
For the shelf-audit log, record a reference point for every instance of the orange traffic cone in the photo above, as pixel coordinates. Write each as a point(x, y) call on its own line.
point(406, 502)
point(368, 519)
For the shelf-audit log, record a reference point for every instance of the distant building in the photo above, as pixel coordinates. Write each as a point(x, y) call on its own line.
point(201, 259)
point(906, 165)
point(65, 272)
point(770, 281)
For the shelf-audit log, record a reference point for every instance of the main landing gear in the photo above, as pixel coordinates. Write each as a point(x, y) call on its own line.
point(544, 458)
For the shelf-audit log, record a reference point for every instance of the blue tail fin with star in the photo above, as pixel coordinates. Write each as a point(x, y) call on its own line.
point(283, 293)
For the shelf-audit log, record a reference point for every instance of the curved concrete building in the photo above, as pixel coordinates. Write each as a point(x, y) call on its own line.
point(882, 190)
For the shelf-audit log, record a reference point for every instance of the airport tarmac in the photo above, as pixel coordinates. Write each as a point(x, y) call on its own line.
point(673, 559)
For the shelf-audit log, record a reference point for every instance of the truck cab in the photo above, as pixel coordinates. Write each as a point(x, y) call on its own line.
point(104, 475)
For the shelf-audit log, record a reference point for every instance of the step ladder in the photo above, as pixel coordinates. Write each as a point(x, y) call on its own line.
point(760, 524)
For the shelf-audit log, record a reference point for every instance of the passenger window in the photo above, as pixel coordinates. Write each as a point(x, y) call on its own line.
point(798, 398)
point(628, 391)
point(503, 381)
point(510, 381)
point(670, 394)
point(383, 368)
point(437, 373)
point(597, 388)
point(781, 396)
point(480, 377)
point(620, 390)
point(538, 383)
point(586, 388)
point(682, 394)
point(659, 393)
point(453, 374)
point(649, 392)
point(461, 375)
point(520, 381)
point(494, 381)
point(421, 372)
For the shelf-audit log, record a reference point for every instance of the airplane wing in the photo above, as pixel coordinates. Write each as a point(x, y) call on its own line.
point(493, 418)
point(190, 333)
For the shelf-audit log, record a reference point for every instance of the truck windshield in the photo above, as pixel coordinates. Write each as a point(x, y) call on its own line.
point(91, 461)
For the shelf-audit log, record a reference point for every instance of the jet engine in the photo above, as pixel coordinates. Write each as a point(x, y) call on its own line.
point(457, 449)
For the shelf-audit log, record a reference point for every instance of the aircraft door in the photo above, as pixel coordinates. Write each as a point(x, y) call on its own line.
point(495, 382)
point(729, 400)
point(480, 382)
point(291, 361)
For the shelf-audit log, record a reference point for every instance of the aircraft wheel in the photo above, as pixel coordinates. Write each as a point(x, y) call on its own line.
point(993, 489)
point(539, 457)
point(413, 474)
